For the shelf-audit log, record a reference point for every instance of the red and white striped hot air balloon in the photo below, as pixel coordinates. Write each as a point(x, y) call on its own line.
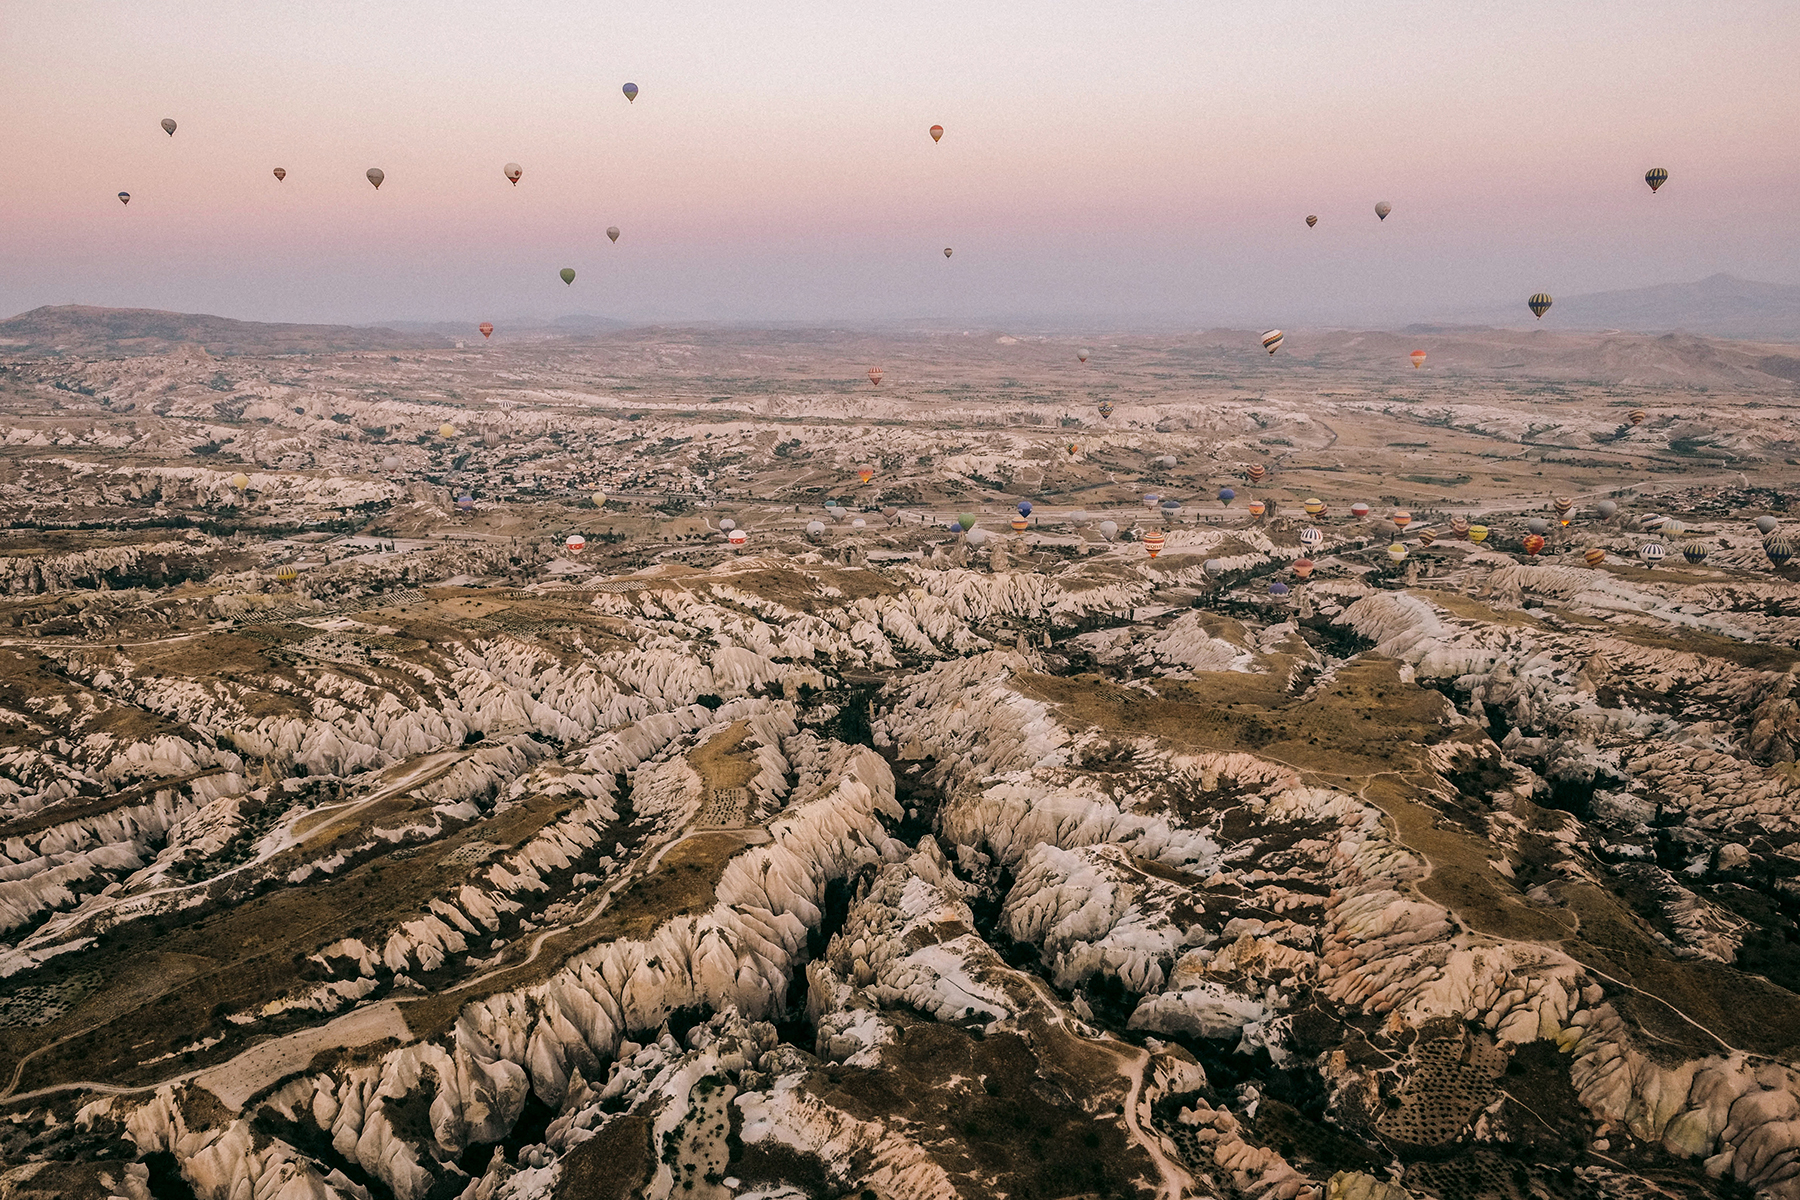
point(875, 376)
point(487, 329)
point(1153, 543)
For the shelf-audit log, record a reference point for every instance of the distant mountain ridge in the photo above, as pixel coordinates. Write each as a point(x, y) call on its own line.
point(1718, 306)
point(86, 331)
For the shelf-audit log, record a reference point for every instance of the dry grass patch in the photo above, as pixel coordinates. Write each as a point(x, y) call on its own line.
point(723, 761)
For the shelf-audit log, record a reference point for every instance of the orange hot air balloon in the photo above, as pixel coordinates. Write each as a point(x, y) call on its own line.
point(1595, 556)
point(1460, 527)
point(1313, 506)
point(1533, 542)
point(1303, 567)
point(280, 174)
point(1020, 524)
point(1256, 472)
point(1637, 416)
point(1153, 543)
point(1074, 449)
point(487, 329)
point(1401, 517)
point(875, 376)
point(1418, 359)
point(1427, 536)
point(1258, 508)
point(865, 473)
point(937, 133)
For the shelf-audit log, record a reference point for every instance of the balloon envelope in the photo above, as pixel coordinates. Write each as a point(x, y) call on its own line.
point(575, 543)
point(376, 175)
point(1539, 304)
point(1607, 509)
point(124, 197)
point(1418, 358)
point(1271, 340)
point(487, 329)
point(1227, 495)
point(1082, 355)
point(875, 376)
point(567, 274)
point(1766, 525)
point(947, 251)
point(168, 126)
point(1655, 177)
point(612, 233)
point(446, 430)
point(937, 133)
point(240, 481)
point(280, 174)
point(512, 172)
point(1383, 209)
point(1310, 222)
point(1024, 508)
point(1109, 529)
point(631, 91)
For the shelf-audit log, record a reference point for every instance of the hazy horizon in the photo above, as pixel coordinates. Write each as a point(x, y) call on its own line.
point(1097, 170)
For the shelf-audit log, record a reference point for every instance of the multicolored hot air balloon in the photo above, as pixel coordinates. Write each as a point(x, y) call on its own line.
point(1311, 221)
point(1401, 517)
point(567, 275)
point(513, 173)
point(124, 197)
point(1460, 527)
point(1427, 536)
point(1227, 495)
point(1310, 537)
point(1594, 556)
point(1020, 524)
point(1637, 416)
point(1418, 359)
point(168, 126)
point(465, 502)
point(875, 376)
point(375, 176)
point(631, 92)
point(1564, 507)
point(1256, 508)
point(1652, 553)
point(1533, 543)
point(1302, 567)
point(736, 537)
point(1271, 340)
point(487, 329)
point(575, 543)
point(1074, 449)
point(612, 234)
point(1106, 409)
point(865, 472)
point(1383, 209)
point(1359, 510)
point(1397, 552)
point(1313, 506)
point(1655, 177)
point(1153, 543)
point(1539, 304)
point(1695, 551)
point(280, 174)
point(937, 133)
point(1255, 472)
point(1650, 521)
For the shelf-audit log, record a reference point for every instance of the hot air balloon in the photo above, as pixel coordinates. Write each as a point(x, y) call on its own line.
point(1563, 506)
point(1695, 551)
point(287, 574)
point(1778, 548)
point(1478, 534)
point(1272, 340)
point(1214, 567)
point(487, 329)
point(737, 537)
point(1359, 510)
point(447, 430)
point(599, 499)
point(1313, 506)
point(1650, 521)
point(1427, 536)
point(1311, 221)
point(280, 174)
point(1766, 524)
point(947, 251)
point(1652, 553)
point(1533, 543)
point(1257, 508)
point(575, 543)
point(1607, 509)
point(1074, 449)
point(1302, 567)
point(978, 537)
point(1255, 472)
point(1459, 526)
point(1226, 496)
point(1539, 304)
point(1383, 209)
point(966, 520)
point(1278, 588)
point(567, 274)
point(865, 472)
point(240, 481)
point(1655, 177)
point(937, 133)
point(1673, 528)
point(1024, 508)
point(512, 173)
point(1537, 525)
point(1595, 556)
point(1151, 500)
point(1397, 552)
point(168, 126)
point(124, 197)
point(631, 91)
point(612, 234)
point(1418, 359)
point(816, 529)
point(1106, 409)
point(1153, 543)
point(1109, 530)
point(376, 175)
point(1311, 537)
point(858, 523)
point(1401, 517)
point(1082, 355)
point(1020, 524)
point(466, 502)
point(390, 463)
point(1637, 416)
point(875, 376)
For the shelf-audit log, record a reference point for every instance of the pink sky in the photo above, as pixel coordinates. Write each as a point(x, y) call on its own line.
point(1103, 162)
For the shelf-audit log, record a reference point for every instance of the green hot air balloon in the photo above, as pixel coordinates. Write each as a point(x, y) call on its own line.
point(966, 520)
point(1539, 304)
point(568, 274)
point(1655, 177)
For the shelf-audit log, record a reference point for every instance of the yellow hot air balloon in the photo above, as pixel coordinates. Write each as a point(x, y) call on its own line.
point(1478, 533)
point(1401, 517)
point(1397, 552)
point(240, 481)
point(599, 499)
point(287, 574)
point(446, 430)
point(1314, 506)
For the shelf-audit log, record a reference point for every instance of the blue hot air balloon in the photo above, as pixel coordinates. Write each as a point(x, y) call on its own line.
point(1024, 508)
point(1227, 495)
